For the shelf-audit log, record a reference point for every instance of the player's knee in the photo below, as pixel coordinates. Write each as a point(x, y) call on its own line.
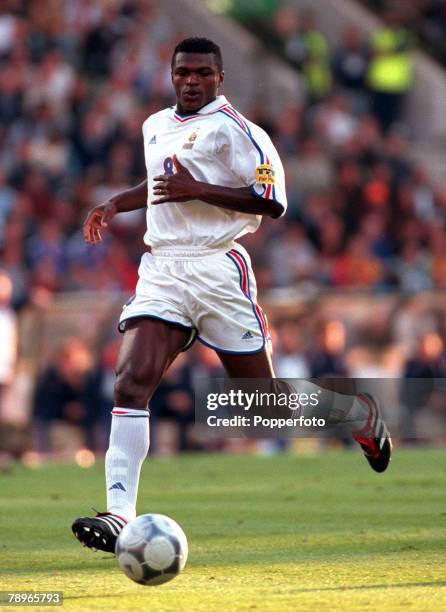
point(132, 389)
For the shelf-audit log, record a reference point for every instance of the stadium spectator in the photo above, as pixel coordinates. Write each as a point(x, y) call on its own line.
point(290, 360)
point(294, 258)
point(305, 46)
point(412, 268)
point(335, 121)
point(432, 26)
point(327, 361)
point(358, 266)
point(172, 410)
point(390, 73)
point(100, 404)
point(428, 362)
point(310, 169)
point(426, 18)
point(8, 196)
point(327, 357)
point(64, 393)
point(437, 243)
point(9, 336)
point(205, 363)
point(350, 63)
point(285, 37)
point(316, 59)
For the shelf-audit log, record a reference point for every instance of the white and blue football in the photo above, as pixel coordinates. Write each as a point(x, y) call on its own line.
point(152, 549)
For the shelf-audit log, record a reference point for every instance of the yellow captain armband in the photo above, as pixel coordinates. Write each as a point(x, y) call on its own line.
point(265, 174)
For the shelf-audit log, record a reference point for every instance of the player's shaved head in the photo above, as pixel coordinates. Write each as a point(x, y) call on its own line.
point(199, 45)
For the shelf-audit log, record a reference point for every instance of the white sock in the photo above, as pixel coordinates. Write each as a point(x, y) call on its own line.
point(334, 407)
point(358, 416)
point(129, 445)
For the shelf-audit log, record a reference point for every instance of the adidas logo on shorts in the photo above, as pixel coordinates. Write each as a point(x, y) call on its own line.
point(247, 335)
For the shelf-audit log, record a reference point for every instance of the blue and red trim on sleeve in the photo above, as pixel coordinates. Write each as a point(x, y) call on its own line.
point(269, 191)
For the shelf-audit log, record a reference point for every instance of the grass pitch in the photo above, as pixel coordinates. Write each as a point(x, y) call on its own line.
point(275, 534)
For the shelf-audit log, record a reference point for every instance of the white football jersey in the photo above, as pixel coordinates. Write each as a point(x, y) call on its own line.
point(218, 146)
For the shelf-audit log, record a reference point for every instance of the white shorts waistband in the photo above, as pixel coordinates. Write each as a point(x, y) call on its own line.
point(189, 252)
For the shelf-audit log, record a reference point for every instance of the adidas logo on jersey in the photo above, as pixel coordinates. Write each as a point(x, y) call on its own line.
point(247, 335)
point(152, 140)
point(117, 485)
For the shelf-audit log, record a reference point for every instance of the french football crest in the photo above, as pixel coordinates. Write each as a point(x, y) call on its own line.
point(191, 140)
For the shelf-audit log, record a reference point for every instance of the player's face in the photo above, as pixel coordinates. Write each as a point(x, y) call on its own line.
point(196, 79)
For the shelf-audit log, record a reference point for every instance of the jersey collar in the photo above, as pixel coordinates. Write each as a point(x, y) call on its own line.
point(213, 107)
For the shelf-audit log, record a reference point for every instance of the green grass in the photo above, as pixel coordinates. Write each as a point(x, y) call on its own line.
point(275, 534)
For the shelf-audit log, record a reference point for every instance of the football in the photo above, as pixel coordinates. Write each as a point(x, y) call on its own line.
point(152, 549)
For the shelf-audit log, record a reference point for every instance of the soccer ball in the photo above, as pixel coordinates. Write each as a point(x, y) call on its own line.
point(152, 549)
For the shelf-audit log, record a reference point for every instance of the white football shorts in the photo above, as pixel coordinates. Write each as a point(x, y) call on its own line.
point(212, 293)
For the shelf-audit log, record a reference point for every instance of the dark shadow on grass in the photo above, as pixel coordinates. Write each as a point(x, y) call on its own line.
point(365, 587)
point(315, 590)
point(60, 569)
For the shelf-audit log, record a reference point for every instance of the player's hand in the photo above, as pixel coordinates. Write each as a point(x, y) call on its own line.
point(178, 187)
point(98, 218)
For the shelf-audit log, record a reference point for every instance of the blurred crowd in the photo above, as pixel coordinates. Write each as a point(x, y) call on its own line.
point(375, 73)
point(404, 342)
point(362, 213)
point(427, 18)
point(77, 80)
point(70, 388)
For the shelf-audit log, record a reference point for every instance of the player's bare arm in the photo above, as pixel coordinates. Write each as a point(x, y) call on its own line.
point(100, 216)
point(182, 187)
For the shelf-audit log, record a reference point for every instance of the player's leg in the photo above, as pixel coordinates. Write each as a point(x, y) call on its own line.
point(257, 365)
point(234, 325)
point(339, 404)
point(149, 347)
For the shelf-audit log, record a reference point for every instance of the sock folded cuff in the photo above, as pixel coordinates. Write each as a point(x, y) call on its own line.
point(130, 412)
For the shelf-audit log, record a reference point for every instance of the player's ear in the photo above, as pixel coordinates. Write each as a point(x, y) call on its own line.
point(221, 78)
